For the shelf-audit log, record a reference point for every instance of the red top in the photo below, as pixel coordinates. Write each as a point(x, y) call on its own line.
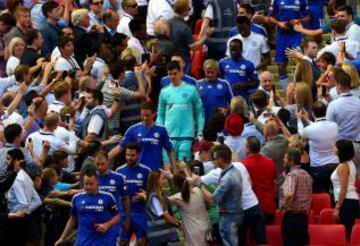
point(262, 171)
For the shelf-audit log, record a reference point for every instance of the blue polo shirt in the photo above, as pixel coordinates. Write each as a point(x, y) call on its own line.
point(152, 140)
point(214, 94)
point(136, 179)
point(237, 71)
point(165, 81)
point(90, 210)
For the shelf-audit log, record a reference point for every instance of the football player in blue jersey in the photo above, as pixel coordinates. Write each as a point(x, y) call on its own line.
point(114, 183)
point(239, 72)
point(152, 137)
point(95, 212)
point(285, 14)
point(136, 178)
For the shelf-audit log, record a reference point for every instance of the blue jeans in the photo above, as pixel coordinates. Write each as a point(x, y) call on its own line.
point(254, 220)
point(229, 225)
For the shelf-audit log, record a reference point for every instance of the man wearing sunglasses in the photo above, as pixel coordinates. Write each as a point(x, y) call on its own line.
point(131, 10)
point(95, 12)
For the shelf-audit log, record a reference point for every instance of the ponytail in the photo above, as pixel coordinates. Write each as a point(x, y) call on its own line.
point(185, 191)
point(182, 186)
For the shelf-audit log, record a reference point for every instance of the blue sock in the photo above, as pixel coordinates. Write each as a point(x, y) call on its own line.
point(284, 81)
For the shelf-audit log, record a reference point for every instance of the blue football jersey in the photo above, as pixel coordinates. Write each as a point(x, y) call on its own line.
point(237, 71)
point(136, 179)
point(152, 140)
point(89, 211)
point(214, 94)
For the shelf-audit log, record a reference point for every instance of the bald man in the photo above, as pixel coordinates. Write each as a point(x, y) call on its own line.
point(39, 138)
point(266, 81)
point(276, 144)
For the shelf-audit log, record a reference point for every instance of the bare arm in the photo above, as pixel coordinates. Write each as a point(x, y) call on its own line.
point(68, 229)
point(299, 28)
point(169, 218)
point(265, 61)
point(114, 152)
point(208, 196)
point(343, 172)
point(56, 201)
point(172, 158)
point(15, 103)
point(90, 137)
point(204, 26)
point(66, 15)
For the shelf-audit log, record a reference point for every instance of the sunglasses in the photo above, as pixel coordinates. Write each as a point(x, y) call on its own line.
point(97, 3)
point(133, 5)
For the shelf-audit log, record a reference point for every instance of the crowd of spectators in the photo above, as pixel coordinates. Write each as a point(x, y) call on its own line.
point(176, 121)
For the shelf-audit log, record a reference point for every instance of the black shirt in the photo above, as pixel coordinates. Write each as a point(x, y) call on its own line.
point(30, 57)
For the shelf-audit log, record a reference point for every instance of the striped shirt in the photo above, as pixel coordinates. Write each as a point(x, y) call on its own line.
point(109, 96)
point(298, 183)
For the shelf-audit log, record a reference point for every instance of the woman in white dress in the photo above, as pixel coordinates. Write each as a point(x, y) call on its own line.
point(191, 204)
point(16, 50)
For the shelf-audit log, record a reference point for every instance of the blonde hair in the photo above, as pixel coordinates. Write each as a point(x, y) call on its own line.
point(303, 73)
point(296, 141)
point(181, 6)
point(352, 72)
point(303, 94)
point(77, 15)
point(211, 63)
point(13, 43)
point(132, 51)
point(239, 106)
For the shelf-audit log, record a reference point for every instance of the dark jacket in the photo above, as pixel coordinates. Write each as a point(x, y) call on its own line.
point(7, 179)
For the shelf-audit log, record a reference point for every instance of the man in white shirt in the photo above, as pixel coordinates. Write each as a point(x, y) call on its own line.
point(255, 48)
point(98, 67)
point(138, 30)
point(47, 134)
point(345, 111)
point(322, 135)
point(95, 119)
point(131, 9)
point(352, 48)
point(95, 12)
point(158, 9)
point(23, 200)
point(62, 92)
point(352, 30)
point(111, 20)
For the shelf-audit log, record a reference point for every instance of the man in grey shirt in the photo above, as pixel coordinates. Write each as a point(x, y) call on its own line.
point(276, 144)
point(228, 195)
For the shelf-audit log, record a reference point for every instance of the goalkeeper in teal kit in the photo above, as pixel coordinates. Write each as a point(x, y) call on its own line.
point(180, 110)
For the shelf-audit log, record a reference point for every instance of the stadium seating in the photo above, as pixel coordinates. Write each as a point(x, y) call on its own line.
point(327, 216)
point(355, 235)
point(329, 235)
point(273, 235)
point(319, 202)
